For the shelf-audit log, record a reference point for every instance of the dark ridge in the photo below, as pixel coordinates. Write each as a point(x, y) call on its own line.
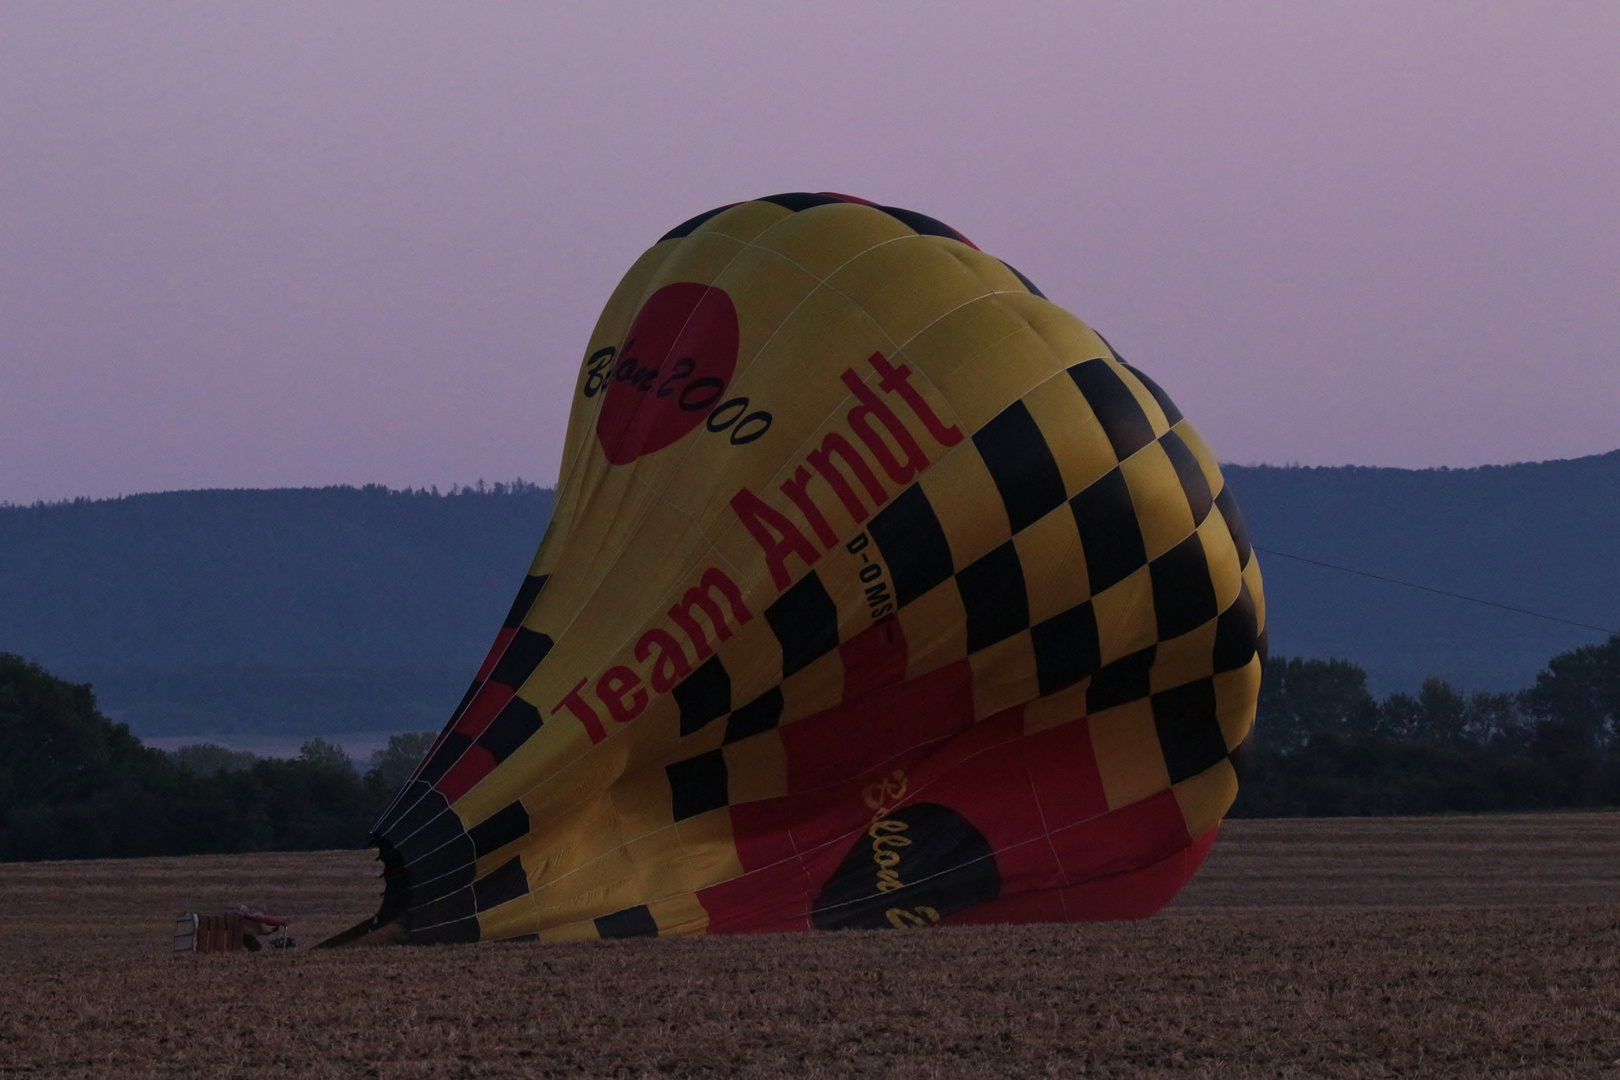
point(1543, 536)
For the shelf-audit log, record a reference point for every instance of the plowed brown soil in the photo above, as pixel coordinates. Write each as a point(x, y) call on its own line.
point(1350, 948)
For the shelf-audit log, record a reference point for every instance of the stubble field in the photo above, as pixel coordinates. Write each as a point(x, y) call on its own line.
point(1347, 948)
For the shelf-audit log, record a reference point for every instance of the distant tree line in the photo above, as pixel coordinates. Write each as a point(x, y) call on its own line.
point(74, 785)
point(1323, 745)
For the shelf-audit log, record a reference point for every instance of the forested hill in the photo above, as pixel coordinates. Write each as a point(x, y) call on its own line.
point(350, 609)
point(1543, 536)
point(296, 610)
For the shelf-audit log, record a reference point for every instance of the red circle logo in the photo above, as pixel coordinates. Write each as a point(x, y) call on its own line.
point(673, 368)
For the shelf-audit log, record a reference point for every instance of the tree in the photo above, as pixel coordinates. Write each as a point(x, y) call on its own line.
point(1497, 719)
point(1581, 690)
point(74, 785)
point(393, 764)
point(1442, 715)
point(1299, 698)
point(1400, 717)
point(210, 759)
point(325, 755)
point(55, 746)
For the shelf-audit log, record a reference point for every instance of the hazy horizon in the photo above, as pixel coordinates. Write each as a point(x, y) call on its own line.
point(455, 487)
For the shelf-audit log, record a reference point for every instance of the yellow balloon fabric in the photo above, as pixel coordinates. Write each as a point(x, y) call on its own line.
point(880, 592)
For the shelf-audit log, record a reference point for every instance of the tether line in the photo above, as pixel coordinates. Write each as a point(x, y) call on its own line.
point(1437, 592)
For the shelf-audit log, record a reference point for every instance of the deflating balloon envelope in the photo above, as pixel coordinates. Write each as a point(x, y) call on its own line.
point(880, 592)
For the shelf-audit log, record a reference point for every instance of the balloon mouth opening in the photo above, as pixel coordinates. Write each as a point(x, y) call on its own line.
point(390, 912)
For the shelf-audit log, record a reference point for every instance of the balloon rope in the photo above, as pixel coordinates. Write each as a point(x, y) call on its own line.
point(1440, 592)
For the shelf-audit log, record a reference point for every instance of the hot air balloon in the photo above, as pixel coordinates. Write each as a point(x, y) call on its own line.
point(880, 592)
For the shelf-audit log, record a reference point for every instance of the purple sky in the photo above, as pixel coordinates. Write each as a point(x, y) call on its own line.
point(284, 244)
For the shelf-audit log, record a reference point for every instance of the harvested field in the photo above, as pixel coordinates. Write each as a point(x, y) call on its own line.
point(1353, 948)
